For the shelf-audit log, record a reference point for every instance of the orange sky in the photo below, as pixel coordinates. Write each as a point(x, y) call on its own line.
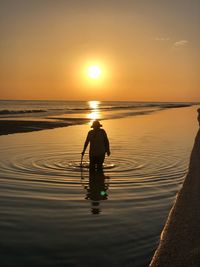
point(148, 50)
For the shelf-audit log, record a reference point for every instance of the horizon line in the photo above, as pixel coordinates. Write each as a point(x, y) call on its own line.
point(76, 100)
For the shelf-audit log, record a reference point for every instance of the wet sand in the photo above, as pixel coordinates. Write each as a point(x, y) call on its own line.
point(22, 126)
point(180, 241)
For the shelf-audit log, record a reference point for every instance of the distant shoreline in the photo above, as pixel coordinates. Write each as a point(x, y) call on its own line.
point(12, 125)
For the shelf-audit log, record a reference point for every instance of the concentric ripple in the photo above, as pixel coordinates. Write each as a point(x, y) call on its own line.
point(124, 167)
point(47, 180)
point(58, 214)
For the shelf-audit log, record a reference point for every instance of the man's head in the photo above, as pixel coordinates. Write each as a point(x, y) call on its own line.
point(96, 124)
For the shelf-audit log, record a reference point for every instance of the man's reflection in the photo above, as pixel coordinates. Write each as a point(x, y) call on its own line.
point(97, 190)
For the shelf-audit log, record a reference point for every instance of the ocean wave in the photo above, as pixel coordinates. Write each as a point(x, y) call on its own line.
point(134, 106)
point(120, 107)
point(104, 107)
point(10, 112)
point(176, 105)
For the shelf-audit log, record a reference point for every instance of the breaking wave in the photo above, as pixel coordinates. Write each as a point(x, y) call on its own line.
point(15, 112)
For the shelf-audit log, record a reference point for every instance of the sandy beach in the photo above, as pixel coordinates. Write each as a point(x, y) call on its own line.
point(23, 126)
point(180, 243)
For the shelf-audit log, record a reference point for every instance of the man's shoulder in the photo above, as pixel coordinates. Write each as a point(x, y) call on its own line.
point(103, 132)
point(90, 132)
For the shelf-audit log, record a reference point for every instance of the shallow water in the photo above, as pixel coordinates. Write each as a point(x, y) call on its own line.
point(53, 213)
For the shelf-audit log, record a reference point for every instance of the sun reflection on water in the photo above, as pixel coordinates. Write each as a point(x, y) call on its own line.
point(94, 104)
point(95, 113)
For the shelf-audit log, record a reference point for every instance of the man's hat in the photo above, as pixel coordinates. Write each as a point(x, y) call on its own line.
point(96, 124)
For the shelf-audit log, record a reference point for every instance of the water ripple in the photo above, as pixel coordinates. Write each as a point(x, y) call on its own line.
point(48, 180)
point(129, 171)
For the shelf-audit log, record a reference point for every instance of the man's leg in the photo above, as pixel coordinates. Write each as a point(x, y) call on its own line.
point(100, 162)
point(92, 163)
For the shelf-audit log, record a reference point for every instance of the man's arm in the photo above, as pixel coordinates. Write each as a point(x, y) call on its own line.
point(86, 144)
point(107, 144)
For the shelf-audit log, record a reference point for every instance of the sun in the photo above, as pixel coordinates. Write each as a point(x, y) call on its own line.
point(94, 72)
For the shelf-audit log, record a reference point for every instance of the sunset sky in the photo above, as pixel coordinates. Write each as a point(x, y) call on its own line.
point(146, 50)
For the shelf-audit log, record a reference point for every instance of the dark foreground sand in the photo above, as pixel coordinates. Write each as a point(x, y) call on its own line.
point(22, 126)
point(180, 240)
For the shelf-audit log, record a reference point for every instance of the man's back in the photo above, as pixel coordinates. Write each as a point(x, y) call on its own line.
point(98, 139)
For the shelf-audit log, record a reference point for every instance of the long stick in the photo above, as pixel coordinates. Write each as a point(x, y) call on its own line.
point(81, 165)
point(81, 161)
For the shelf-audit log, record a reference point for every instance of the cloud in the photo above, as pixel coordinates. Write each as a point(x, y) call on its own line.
point(181, 43)
point(162, 39)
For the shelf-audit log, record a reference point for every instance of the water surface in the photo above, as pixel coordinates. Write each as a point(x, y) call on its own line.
point(53, 213)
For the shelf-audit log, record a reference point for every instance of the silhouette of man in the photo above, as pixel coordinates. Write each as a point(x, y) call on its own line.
point(99, 146)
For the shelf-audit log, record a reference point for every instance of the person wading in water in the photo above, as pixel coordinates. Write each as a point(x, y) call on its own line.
point(99, 146)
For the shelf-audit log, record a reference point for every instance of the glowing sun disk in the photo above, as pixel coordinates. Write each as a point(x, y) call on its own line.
point(94, 72)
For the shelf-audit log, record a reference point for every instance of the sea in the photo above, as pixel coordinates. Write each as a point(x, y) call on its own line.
point(16, 109)
point(55, 213)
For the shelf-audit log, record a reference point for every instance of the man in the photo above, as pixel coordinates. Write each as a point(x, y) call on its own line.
point(99, 146)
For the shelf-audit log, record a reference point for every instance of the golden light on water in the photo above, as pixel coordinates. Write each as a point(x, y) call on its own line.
point(95, 112)
point(94, 104)
point(94, 115)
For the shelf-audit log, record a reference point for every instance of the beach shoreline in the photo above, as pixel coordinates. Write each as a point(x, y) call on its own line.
point(179, 242)
point(12, 125)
